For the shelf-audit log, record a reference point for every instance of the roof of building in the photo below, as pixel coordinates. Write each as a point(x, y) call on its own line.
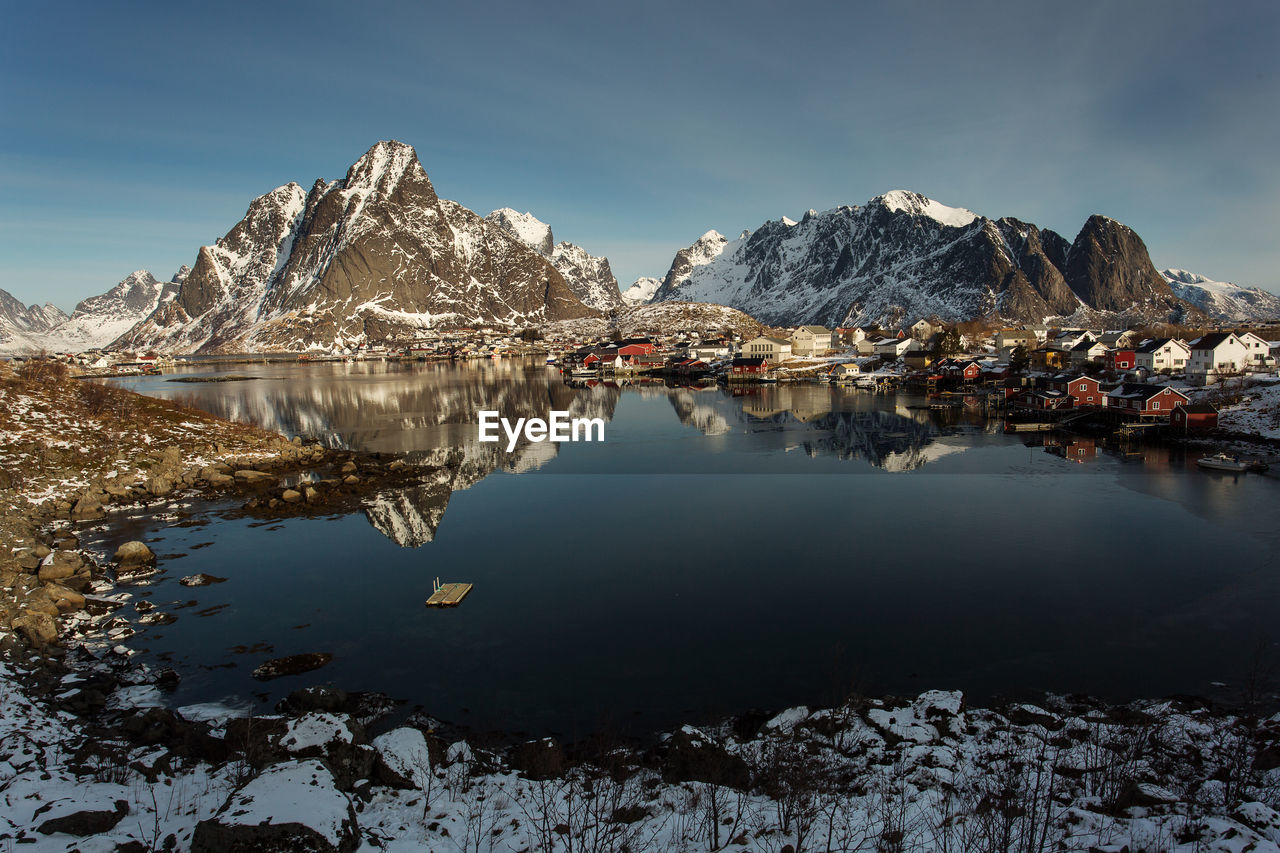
point(814, 330)
point(1142, 391)
point(1199, 408)
point(1211, 341)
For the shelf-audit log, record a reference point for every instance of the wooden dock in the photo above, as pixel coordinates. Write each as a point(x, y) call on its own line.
point(449, 594)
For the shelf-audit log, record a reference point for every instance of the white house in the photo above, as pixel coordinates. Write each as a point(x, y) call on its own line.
point(773, 349)
point(1010, 338)
point(710, 350)
point(1259, 351)
point(811, 340)
point(922, 329)
point(850, 336)
point(1215, 355)
point(1159, 354)
point(895, 348)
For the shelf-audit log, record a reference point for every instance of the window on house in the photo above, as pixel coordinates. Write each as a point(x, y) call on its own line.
point(1155, 405)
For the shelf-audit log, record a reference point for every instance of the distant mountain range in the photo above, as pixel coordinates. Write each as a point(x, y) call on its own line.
point(377, 255)
point(903, 256)
point(95, 323)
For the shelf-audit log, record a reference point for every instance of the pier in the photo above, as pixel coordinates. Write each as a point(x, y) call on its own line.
point(448, 594)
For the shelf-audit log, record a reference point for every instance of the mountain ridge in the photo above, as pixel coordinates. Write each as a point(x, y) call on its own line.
point(902, 256)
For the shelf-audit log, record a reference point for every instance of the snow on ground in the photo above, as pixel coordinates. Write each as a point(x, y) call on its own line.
point(1258, 413)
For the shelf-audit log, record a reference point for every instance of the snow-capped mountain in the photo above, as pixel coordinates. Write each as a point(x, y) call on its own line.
point(704, 250)
point(641, 290)
point(589, 277)
point(22, 326)
point(374, 255)
point(96, 321)
point(903, 256)
point(1222, 300)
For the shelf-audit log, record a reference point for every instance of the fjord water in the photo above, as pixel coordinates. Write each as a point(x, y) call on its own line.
point(716, 553)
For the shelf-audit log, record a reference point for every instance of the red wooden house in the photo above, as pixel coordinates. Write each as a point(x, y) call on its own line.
point(749, 366)
point(1194, 417)
point(1084, 390)
point(1136, 399)
point(1121, 359)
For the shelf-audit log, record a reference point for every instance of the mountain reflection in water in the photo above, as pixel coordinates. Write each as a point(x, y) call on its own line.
point(429, 414)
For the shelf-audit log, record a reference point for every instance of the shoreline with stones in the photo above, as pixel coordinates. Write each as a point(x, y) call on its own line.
point(80, 758)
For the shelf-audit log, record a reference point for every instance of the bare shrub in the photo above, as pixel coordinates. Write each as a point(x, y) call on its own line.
point(41, 368)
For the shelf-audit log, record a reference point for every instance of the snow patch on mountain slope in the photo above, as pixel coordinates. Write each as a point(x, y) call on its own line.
point(914, 203)
point(526, 227)
point(641, 290)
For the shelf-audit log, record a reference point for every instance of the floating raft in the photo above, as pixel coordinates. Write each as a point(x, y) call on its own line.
point(448, 594)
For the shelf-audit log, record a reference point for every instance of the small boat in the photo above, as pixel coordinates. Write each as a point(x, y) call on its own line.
point(1223, 462)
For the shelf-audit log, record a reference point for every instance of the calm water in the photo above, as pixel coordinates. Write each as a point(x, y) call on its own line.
point(714, 554)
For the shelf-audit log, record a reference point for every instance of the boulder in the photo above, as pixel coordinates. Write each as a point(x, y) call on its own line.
point(404, 760)
point(310, 495)
point(292, 806)
point(348, 468)
point(87, 508)
point(291, 496)
point(350, 480)
point(87, 822)
point(133, 556)
point(335, 738)
point(66, 600)
point(38, 628)
point(248, 475)
point(201, 579)
point(50, 572)
point(291, 665)
point(159, 486)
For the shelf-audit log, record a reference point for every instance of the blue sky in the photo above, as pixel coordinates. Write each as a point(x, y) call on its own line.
point(130, 134)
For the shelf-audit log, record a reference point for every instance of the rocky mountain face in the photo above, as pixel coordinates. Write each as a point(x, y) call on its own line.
point(903, 256)
point(589, 277)
point(1222, 300)
point(374, 255)
point(704, 250)
point(95, 322)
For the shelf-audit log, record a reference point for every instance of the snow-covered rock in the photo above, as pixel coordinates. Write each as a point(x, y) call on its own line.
point(290, 806)
point(403, 758)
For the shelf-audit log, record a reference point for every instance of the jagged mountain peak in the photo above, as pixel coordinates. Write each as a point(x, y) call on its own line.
point(383, 166)
point(374, 256)
point(905, 201)
point(588, 276)
point(526, 227)
point(181, 275)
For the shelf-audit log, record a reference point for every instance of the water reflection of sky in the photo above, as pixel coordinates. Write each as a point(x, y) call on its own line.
point(691, 564)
